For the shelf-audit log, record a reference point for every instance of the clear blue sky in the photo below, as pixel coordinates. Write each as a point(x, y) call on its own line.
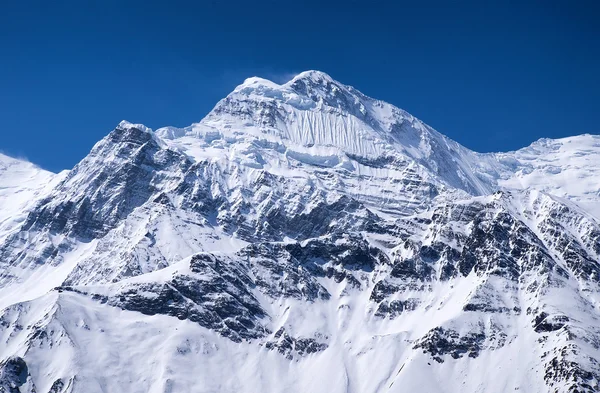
point(491, 75)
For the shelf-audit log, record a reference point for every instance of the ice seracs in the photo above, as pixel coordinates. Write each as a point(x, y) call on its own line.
point(301, 237)
point(314, 116)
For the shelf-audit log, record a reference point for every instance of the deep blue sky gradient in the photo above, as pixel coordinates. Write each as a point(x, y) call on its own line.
point(491, 75)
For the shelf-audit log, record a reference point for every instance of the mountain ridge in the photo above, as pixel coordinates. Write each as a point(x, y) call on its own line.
point(304, 238)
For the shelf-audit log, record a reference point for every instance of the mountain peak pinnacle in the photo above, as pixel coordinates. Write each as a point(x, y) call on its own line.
point(313, 75)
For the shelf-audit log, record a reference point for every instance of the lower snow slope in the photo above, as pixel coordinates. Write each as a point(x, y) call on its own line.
point(491, 294)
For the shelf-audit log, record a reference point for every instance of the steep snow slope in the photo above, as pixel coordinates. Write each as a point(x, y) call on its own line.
point(20, 184)
point(303, 237)
point(568, 168)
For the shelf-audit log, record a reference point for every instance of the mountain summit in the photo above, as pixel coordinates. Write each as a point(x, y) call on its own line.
point(302, 237)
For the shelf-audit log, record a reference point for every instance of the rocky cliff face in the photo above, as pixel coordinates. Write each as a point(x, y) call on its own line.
point(302, 237)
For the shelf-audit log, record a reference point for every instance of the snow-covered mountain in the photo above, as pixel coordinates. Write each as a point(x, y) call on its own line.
point(302, 237)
